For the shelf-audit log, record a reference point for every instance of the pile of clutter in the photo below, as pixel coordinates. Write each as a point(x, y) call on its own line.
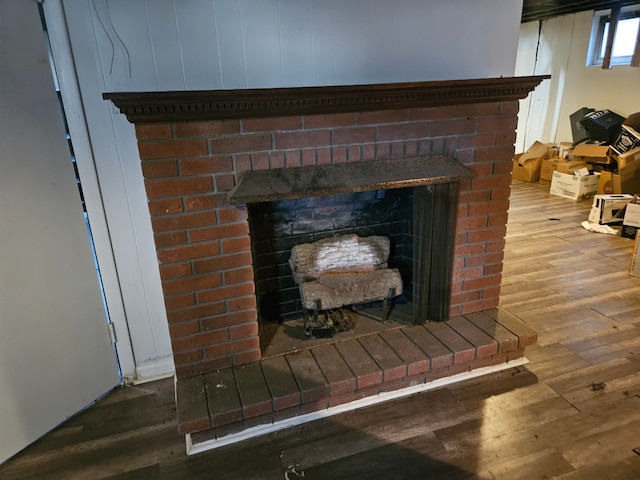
point(615, 213)
point(618, 214)
point(604, 157)
point(603, 163)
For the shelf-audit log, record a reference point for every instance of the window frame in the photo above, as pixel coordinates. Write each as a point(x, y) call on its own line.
point(598, 39)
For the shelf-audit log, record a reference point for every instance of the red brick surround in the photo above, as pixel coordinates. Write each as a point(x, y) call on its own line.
point(203, 243)
point(195, 146)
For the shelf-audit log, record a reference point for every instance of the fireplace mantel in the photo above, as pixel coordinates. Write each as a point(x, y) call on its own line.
point(146, 107)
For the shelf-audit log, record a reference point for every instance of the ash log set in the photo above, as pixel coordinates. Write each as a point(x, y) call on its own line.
point(335, 274)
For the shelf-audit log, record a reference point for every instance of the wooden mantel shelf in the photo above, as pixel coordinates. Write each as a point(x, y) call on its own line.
point(147, 107)
point(291, 183)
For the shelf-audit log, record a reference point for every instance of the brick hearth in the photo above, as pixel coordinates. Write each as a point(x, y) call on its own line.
point(284, 386)
point(195, 148)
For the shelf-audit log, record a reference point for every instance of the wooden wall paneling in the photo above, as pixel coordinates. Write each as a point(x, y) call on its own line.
point(296, 43)
point(230, 44)
point(352, 55)
point(323, 32)
point(202, 44)
point(387, 20)
point(261, 43)
point(167, 55)
point(196, 24)
point(124, 47)
point(410, 49)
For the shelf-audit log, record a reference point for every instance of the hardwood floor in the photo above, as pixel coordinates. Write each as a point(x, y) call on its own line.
point(572, 413)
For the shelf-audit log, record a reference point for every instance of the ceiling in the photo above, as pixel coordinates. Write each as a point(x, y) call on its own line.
point(542, 9)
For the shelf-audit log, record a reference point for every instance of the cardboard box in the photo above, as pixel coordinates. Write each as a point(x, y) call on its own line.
point(574, 187)
point(632, 215)
point(527, 172)
point(549, 166)
point(627, 140)
point(571, 166)
point(603, 125)
point(624, 158)
point(608, 209)
point(591, 153)
point(625, 180)
point(526, 166)
point(629, 137)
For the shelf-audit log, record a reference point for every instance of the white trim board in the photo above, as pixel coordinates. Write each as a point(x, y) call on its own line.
point(258, 430)
point(83, 151)
point(111, 174)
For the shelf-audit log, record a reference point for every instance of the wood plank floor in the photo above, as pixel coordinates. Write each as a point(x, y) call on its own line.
point(572, 413)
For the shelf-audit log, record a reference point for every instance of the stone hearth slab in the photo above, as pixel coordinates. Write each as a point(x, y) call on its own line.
point(323, 376)
point(285, 184)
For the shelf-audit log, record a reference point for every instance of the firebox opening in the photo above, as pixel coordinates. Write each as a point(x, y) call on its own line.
point(419, 223)
point(411, 201)
point(276, 227)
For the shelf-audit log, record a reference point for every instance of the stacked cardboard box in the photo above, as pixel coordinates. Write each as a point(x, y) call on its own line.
point(616, 151)
point(574, 187)
point(573, 166)
point(549, 166)
point(613, 166)
point(572, 176)
point(625, 177)
point(527, 166)
point(591, 153)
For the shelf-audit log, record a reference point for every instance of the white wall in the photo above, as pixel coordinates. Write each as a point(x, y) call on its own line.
point(617, 89)
point(543, 49)
point(561, 50)
point(213, 44)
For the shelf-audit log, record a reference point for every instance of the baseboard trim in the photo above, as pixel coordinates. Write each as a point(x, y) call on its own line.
point(156, 369)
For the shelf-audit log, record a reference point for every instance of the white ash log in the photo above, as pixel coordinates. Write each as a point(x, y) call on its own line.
point(347, 253)
point(335, 290)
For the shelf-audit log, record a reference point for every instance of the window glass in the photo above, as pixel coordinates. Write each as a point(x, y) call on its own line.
point(624, 41)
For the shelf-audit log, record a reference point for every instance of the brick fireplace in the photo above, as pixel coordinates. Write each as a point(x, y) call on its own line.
point(197, 147)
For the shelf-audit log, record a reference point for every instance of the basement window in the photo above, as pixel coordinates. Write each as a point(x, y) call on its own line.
point(624, 41)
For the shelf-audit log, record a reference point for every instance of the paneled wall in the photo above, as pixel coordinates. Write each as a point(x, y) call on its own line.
point(213, 44)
